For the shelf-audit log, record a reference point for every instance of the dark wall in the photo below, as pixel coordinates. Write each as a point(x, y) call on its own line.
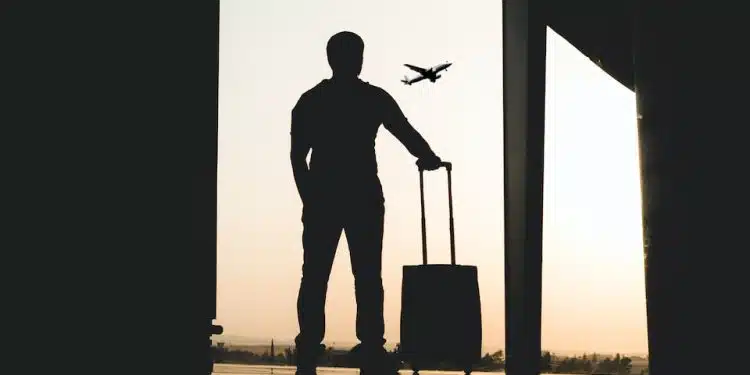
point(111, 114)
point(694, 167)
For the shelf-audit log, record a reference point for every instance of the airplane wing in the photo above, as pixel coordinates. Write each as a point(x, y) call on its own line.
point(413, 80)
point(416, 69)
point(440, 68)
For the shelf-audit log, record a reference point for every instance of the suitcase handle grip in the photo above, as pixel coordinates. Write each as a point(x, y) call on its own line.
point(448, 168)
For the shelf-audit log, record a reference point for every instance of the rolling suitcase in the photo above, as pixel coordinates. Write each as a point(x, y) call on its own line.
point(441, 318)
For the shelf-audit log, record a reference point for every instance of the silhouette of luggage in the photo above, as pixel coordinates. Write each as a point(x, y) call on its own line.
point(441, 318)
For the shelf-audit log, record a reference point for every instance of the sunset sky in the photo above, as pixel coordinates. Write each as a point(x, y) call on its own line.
point(273, 51)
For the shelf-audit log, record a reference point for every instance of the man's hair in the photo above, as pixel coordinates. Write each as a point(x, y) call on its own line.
point(345, 51)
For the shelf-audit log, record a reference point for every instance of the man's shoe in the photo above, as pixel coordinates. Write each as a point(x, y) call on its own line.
point(382, 363)
point(307, 360)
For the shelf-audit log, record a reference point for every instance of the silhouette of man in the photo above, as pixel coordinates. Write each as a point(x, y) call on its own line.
point(338, 120)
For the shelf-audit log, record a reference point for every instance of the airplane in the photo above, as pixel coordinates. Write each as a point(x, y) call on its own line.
point(431, 73)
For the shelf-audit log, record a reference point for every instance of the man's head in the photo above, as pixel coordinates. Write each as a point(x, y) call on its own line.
point(345, 51)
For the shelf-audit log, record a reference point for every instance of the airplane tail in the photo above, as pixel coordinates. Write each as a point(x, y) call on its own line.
point(405, 80)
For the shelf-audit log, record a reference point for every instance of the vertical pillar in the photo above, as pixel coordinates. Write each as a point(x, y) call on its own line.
point(524, 53)
point(204, 150)
point(694, 165)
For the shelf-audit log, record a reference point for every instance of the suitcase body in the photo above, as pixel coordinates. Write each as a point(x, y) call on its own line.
point(441, 318)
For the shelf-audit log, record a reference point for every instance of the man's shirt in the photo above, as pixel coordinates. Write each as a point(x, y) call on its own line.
point(339, 121)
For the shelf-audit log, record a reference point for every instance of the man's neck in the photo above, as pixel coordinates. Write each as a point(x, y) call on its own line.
point(344, 79)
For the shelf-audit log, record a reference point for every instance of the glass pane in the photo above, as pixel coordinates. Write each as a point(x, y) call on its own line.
point(273, 51)
point(593, 275)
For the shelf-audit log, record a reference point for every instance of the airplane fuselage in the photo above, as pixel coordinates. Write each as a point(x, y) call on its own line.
point(432, 73)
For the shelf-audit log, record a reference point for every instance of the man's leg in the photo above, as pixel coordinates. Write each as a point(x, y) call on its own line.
point(320, 238)
point(364, 233)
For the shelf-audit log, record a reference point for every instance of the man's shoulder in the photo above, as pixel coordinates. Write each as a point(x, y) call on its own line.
point(313, 92)
point(375, 90)
point(326, 89)
point(378, 95)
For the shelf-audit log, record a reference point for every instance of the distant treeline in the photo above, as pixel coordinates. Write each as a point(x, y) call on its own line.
point(550, 363)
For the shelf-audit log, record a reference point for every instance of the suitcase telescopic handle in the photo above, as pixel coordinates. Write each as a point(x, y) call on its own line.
point(448, 168)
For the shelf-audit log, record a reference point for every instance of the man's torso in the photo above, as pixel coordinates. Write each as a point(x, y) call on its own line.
point(341, 123)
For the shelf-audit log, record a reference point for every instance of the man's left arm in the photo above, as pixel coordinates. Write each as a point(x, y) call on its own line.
point(300, 147)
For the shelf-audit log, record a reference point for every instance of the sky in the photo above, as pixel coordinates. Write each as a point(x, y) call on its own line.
point(273, 51)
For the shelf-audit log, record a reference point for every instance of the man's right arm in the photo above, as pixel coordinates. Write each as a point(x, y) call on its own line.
point(300, 147)
point(396, 122)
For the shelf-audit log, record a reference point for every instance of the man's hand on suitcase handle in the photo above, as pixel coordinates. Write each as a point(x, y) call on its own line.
point(445, 164)
point(432, 163)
